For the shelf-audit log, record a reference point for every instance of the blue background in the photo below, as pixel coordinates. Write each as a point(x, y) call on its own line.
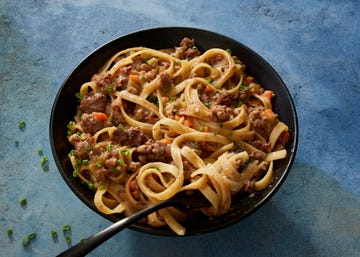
point(314, 46)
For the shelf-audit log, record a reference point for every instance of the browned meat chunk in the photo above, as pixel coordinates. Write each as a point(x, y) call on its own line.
point(93, 102)
point(91, 124)
point(117, 117)
point(189, 49)
point(154, 151)
point(262, 145)
point(165, 81)
point(221, 112)
point(131, 136)
point(102, 79)
point(262, 120)
point(82, 146)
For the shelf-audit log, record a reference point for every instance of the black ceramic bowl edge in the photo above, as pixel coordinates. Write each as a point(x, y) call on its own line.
point(64, 109)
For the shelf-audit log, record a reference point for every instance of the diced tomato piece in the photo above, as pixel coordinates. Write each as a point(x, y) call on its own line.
point(268, 94)
point(100, 116)
point(135, 78)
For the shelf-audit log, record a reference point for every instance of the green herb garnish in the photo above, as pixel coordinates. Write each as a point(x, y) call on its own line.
point(9, 230)
point(84, 162)
point(66, 228)
point(91, 185)
point(23, 201)
point(110, 88)
point(120, 163)
point(68, 239)
point(22, 125)
point(109, 148)
point(27, 238)
point(54, 234)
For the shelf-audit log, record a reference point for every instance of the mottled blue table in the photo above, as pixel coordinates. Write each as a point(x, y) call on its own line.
point(315, 47)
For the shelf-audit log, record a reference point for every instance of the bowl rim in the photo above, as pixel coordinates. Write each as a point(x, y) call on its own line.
point(166, 231)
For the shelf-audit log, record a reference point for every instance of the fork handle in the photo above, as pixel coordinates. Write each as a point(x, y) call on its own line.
point(84, 247)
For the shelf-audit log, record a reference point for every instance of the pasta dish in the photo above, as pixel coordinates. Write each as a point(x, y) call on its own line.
point(153, 123)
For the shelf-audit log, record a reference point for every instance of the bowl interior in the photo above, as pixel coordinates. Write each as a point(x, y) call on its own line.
point(65, 103)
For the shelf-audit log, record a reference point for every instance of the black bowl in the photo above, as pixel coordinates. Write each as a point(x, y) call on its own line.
point(158, 38)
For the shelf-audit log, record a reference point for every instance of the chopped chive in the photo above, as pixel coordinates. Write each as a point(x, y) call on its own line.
point(110, 88)
point(9, 230)
point(23, 201)
point(220, 124)
point(40, 152)
point(69, 126)
point(109, 148)
point(22, 125)
point(32, 235)
point(240, 103)
point(82, 239)
point(91, 185)
point(54, 234)
point(99, 164)
point(77, 95)
point(102, 186)
point(84, 162)
point(124, 151)
point(27, 238)
point(209, 80)
point(229, 51)
point(65, 228)
point(71, 153)
point(207, 104)
point(74, 173)
point(43, 160)
point(68, 239)
point(120, 162)
point(16, 143)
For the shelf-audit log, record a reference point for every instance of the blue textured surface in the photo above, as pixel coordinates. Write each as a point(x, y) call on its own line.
point(315, 47)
